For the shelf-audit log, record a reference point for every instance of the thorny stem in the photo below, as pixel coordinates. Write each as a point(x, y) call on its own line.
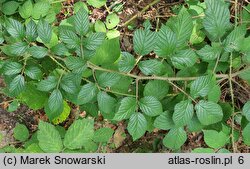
point(137, 93)
point(218, 76)
point(185, 93)
point(232, 102)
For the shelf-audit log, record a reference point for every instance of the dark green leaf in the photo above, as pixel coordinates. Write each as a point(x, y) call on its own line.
point(164, 121)
point(15, 28)
point(21, 132)
point(150, 106)
point(107, 79)
point(87, 93)
point(144, 41)
point(151, 67)
point(217, 18)
point(157, 88)
point(81, 22)
point(9, 8)
point(33, 72)
point(47, 84)
point(215, 139)
point(38, 51)
point(31, 31)
point(166, 42)
point(202, 85)
point(17, 85)
point(12, 68)
point(79, 133)
point(127, 62)
point(175, 138)
point(183, 113)
point(137, 125)
point(246, 110)
point(18, 48)
point(126, 109)
point(184, 58)
point(49, 138)
point(208, 112)
point(44, 30)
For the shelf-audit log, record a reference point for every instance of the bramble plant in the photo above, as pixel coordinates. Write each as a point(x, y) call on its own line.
point(178, 89)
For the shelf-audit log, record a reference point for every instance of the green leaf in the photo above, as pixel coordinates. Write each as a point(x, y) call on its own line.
point(100, 26)
point(234, 39)
point(215, 139)
point(202, 85)
point(183, 113)
point(183, 27)
point(68, 83)
point(76, 64)
point(144, 41)
point(214, 94)
point(38, 51)
point(246, 110)
point(164, 121)
point(18, 48)
point(107, 79)
point(111, 34)
point(79, 5)
point(97, 3)
point(126, 109)
point(34, 98)
point(208, 53)
point(17, 85)
point(12, 68)
point(150, 106)
point(33, 72)
point(208, 112)
point(107, 53)
point(40, 9)
point(127, 62)
point(203, 150)
point(26, 9)
point(87, 93)
point(217, 18)
point(195, 125)
point(44, 30)
point(106, 103)
point(64, 115)
point(151, 67)
point(103, 135)
point(21, 132)
point(49, 138)
point(47, 84)
point(137, 125)
point(94, 40)
point(69, 37)
point(175, 138)
point(31, 31)
point(246, 135)
point(15, 28)
point(9, 8)
point(60, 50)
point(112, 20)
point(157, 88)
point(166, 42)
point(184, 58)
point(55, 103)
point(79, 133)
point(81, 22)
